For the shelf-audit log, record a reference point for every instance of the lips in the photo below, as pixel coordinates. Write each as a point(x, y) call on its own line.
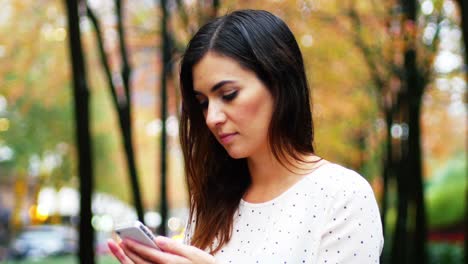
point(227, 137)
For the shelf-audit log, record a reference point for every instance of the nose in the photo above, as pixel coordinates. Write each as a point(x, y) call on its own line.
point(214, 115)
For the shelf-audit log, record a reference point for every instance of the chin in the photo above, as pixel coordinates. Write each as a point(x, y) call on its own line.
point(236, 154)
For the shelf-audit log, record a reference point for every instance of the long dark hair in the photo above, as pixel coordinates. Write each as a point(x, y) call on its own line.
point(261, 42)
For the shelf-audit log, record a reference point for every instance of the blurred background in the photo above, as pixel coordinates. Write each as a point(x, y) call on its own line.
point(89, 112)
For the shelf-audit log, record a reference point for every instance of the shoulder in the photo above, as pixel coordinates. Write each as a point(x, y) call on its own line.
point(335, 178)
point(352, 213)
point(351, 201)
point(338, 187)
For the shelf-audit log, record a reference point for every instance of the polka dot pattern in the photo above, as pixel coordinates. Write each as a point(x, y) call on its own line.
point(329, 216)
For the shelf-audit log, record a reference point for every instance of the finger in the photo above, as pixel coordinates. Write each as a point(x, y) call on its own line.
point(152, 254)
point(133, 256)
point(170, 245)
point(118, 252)
point(194, 254)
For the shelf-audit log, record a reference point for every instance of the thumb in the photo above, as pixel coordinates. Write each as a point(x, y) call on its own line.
point(190, 252)
point(171, 246)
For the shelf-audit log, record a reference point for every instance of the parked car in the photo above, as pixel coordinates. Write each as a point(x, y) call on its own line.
point(44, 240)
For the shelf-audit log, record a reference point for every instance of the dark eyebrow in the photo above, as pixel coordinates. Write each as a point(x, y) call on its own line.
point(216, 86)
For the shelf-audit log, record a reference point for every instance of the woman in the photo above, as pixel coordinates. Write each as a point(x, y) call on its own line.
point(259, 194)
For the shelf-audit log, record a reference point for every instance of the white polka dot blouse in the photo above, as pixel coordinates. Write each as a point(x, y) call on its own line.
point(329, 216)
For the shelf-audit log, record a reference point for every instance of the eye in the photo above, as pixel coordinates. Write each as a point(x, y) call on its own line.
point(202, 101)
point(230, 96)
point(204, 104)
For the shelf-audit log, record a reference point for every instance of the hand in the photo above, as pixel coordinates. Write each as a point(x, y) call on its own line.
point(173, 252)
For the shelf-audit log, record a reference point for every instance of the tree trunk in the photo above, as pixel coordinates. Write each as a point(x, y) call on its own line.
point(215, 7)
point(400, 237)
point(131, 163)
point(81, 100)
point(412, 178)
point(166, 57)
point(125, 114)
point(122, 106)
point(416, 87)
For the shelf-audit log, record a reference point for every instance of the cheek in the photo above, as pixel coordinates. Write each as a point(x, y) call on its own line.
point(250, 110)
point(256, 115)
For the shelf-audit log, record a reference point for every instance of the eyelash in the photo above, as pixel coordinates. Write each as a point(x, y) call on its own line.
point(228, 97)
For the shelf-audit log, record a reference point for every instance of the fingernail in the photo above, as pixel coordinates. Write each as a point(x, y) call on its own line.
point(115, 250)
point(111, 245)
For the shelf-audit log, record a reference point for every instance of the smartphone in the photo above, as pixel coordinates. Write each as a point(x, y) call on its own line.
point(137, 231)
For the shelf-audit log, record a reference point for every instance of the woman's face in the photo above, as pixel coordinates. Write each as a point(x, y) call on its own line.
point(237, 106)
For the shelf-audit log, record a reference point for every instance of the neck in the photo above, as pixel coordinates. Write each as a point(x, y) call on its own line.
point(269, 177)
point(266, 170)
